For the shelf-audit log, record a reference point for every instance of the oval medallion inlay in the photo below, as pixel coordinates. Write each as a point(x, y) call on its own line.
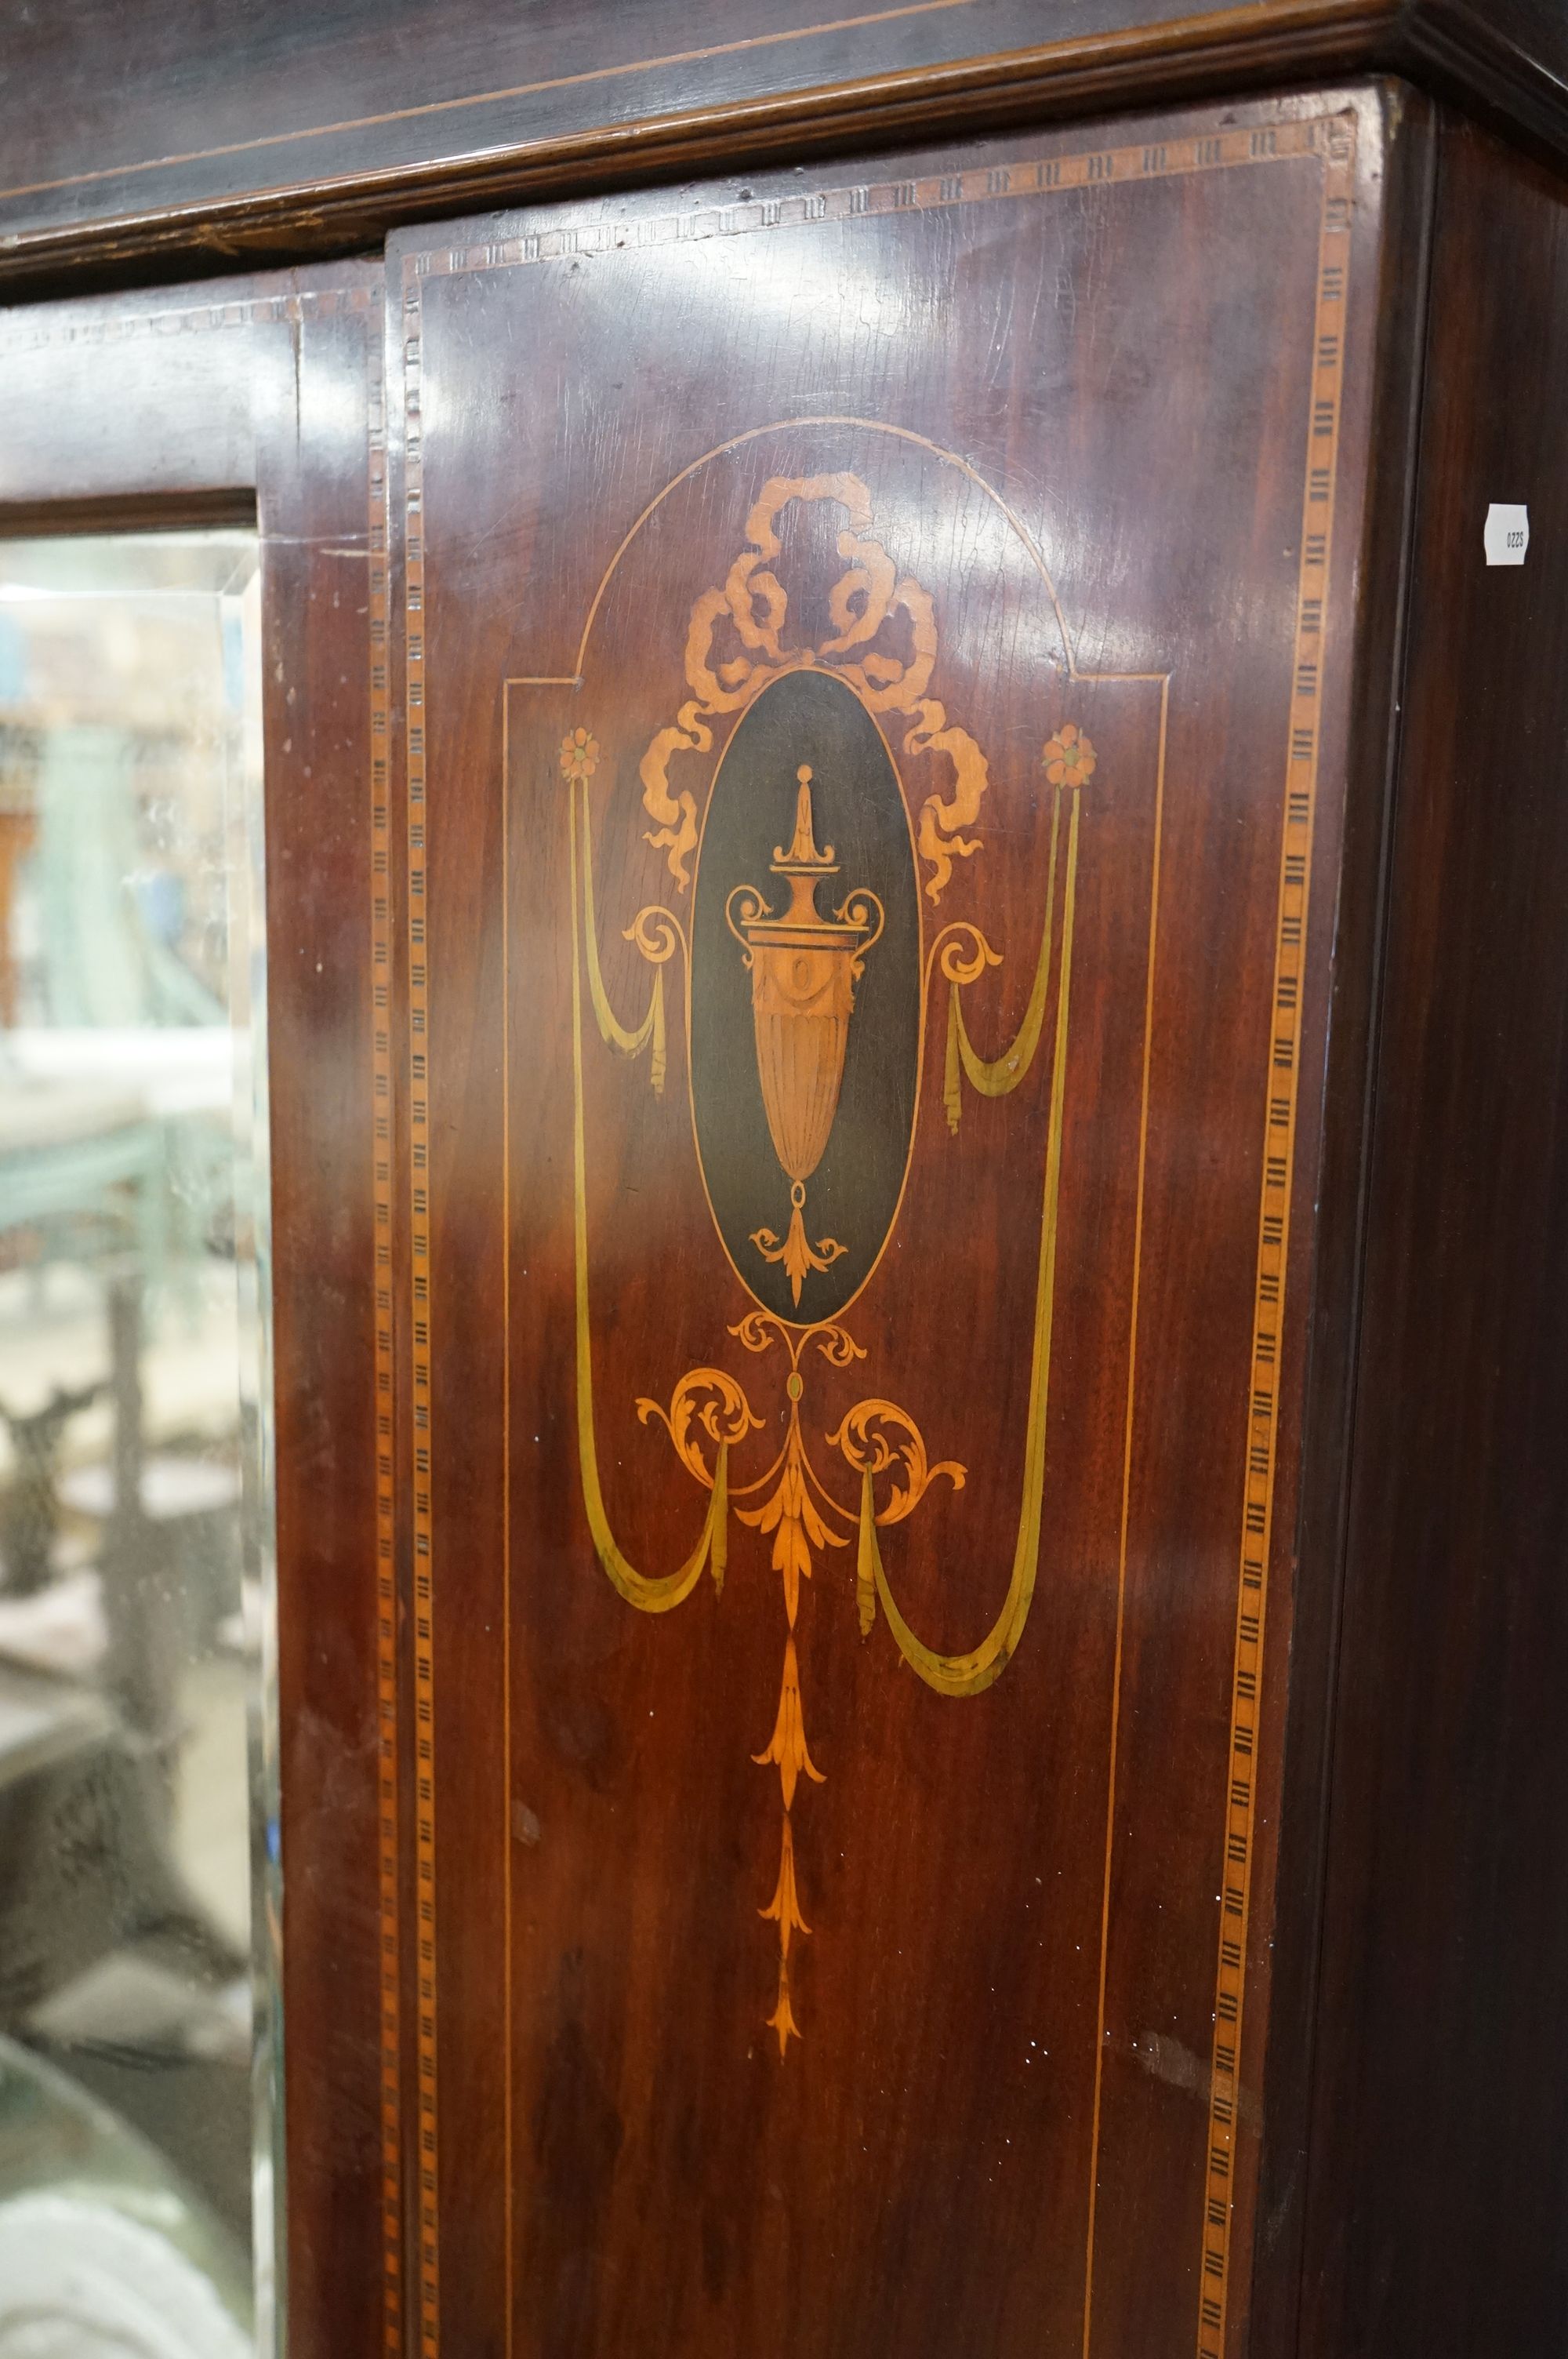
point(805, 995)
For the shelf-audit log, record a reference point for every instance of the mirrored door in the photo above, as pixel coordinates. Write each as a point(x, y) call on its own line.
point(199, 1823)
point(138, 1919)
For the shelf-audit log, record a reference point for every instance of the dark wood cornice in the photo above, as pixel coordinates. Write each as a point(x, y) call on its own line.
point(1479, 60)
point(1448, 46)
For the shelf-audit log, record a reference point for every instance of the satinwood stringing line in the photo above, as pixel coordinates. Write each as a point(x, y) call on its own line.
point(1274, 1230)
point(463, 103)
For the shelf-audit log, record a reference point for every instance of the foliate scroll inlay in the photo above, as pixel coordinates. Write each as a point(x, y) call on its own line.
point(882, 640)
point(805, 967)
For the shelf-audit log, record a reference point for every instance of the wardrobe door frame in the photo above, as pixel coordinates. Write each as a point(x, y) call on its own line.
point(258, 400)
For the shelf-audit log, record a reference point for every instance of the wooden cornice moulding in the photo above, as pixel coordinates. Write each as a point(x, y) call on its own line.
point(400, 135)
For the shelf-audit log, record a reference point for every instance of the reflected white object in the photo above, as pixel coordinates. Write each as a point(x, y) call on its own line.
point(173, 1069)
point(80, 2280)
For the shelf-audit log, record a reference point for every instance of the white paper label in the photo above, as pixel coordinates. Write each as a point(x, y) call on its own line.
point(1507, 534)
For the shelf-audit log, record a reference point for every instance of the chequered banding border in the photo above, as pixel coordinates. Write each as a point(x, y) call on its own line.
point(426, 2156)
point(37, 327)
point(1338, 151)
point(1329, 139)
point(1160, 160)
point(387, 1762)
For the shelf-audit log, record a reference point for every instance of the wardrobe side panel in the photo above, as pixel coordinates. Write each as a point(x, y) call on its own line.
point(1438, 2215)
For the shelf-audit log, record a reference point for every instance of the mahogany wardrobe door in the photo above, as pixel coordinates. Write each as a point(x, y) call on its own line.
point(876, 645)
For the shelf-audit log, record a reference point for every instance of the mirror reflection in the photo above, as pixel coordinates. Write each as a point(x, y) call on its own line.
point(137, 1918)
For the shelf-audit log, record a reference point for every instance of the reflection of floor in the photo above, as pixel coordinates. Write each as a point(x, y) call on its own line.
point(54, 1330)
point(158, 2026)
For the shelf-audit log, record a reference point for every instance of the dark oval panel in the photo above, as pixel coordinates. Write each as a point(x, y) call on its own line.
point(852, 1197)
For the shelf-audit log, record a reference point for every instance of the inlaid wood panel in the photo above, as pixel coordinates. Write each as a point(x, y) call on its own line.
point(878, 651)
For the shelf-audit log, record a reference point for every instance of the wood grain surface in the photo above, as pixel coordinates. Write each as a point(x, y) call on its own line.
point(1091, 421)
point(1384, 573)
point(1439, 2166)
